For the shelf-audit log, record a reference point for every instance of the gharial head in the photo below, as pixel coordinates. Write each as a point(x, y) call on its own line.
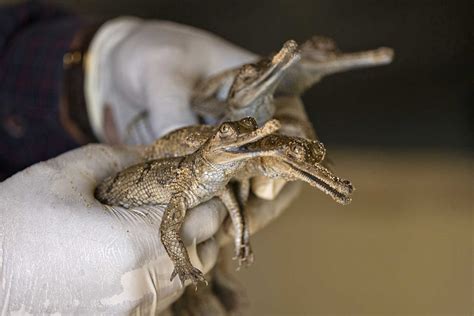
point(320, 55)
point(255, 84)
point(296, 158)
point(227, 144)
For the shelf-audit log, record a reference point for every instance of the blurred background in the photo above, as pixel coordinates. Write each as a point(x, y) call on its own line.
point(401, 133)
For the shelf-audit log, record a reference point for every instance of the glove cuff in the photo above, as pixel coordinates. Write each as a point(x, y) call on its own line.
point(96, 80)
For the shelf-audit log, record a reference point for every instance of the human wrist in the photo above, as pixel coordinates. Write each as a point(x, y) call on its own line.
point(98, 82)
point(138, 70)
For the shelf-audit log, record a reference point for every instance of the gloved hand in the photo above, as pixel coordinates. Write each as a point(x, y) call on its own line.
point(63, 251)
point(136, 66)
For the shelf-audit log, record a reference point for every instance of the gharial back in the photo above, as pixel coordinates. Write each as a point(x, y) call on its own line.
point(141, 184)
point(183, 141)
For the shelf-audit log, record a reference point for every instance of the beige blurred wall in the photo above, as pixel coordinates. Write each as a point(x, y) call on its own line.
point(403, 247)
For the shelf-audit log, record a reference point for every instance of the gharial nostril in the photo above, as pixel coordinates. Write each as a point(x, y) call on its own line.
point(290, 48)
point(349, 186)
point(384, 54)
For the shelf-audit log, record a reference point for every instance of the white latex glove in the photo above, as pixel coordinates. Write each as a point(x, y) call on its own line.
point(135, 66)
point(62, 251)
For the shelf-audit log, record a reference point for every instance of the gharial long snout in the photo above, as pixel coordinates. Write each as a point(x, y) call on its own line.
point(270, 72)
point(268, 128)
point(335, 62)
point(318, 176)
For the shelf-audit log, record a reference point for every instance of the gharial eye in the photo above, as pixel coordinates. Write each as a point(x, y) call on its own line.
point(249, 122)
point(319, 151)
point(225, 130)
point(297, 150)
point(248, 72)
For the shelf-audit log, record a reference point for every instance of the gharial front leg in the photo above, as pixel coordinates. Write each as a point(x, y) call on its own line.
point(173, 218)
point(243, 251)
point(243, 190)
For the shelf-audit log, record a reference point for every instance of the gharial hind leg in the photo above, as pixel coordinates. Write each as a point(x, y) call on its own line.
point(243, 251)
point(243, 191)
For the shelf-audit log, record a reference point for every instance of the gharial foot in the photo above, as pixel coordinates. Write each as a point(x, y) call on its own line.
point(244, 255)
point(188, 272)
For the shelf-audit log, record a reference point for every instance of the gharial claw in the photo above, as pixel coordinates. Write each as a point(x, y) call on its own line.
point(244, 255)
point(188, 272)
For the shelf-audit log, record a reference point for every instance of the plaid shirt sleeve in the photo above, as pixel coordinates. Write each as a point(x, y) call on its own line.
point(33, 39)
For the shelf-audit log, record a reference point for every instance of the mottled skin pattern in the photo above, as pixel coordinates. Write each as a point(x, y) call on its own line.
point(187, 140)
point(253, 89)
point(294, 158)
point(320, 57)
point(315, 59)
point(294, 69)
point(271, 88)
point(249, 88)
point(233, 94)
point(287, 157)
point(183, 182)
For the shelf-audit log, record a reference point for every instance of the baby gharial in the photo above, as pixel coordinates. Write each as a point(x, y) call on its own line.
point(282, 152)
point(249, 90)
point(183, 182)
point(244, 91)
point(287, 157)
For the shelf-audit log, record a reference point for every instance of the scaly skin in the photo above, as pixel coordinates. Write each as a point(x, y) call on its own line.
point(294, 158)
point(288, 73)
point(287, 157)
point(320, 57)
point(186, 141)
point(183, 182)
point(252, 92)
point(250, 88)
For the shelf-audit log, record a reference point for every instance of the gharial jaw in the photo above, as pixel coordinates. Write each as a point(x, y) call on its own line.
point(228, 145)
point(315, 175)
point(256, 81)
point(320, 177)
point(338, 62)
point(321, 57)
point(249, 90)
point(295, 158)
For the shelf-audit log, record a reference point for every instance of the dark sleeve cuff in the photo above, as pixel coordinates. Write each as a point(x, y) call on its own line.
point(34, 38)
